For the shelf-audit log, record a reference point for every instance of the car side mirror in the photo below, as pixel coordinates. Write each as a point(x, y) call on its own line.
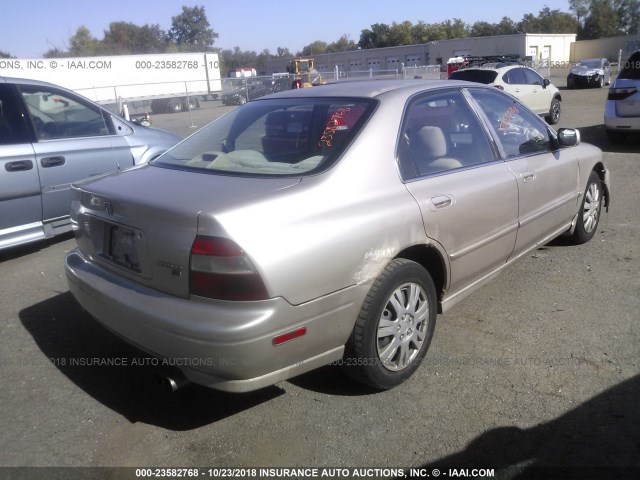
point(568, 137)
point(546, 83)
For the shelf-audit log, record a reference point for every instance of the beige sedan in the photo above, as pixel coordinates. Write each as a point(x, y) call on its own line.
point(328, 224)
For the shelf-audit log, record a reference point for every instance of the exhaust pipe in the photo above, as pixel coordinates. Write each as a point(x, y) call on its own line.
point(174, 383)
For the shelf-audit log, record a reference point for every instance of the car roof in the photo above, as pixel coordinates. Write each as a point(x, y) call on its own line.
point(370, 88)
point(29, 81)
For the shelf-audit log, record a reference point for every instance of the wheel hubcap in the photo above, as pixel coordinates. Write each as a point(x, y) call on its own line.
point(402, 327)
point(591, 208)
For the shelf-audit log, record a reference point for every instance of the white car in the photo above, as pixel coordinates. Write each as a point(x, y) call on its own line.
point(622, 109)
point(524, 83)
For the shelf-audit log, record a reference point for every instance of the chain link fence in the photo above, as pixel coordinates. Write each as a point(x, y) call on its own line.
point(186, 105)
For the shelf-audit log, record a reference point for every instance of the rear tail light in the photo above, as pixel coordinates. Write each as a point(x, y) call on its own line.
point(621, 93)
point(220, 269)
point(499, 87)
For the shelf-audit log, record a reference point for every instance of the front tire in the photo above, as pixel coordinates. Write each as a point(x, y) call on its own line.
point(589, 214)
point(554, 112)
point(394, 328)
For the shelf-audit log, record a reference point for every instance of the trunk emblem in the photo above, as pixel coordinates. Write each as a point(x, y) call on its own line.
point(176, 270)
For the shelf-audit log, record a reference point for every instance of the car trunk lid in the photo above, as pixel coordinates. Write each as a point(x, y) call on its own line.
point(142, 223)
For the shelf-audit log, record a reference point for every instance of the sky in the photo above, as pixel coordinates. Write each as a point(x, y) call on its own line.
point(28, 28)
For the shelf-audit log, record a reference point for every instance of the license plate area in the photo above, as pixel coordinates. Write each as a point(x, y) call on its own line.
point(123, 247)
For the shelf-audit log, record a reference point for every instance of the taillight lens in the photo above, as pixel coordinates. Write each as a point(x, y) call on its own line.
point(220, 269)
point(621, 93)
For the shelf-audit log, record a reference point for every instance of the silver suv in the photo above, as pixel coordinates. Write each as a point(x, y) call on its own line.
point(622, 109)
point(51, 137)
point(522, 82)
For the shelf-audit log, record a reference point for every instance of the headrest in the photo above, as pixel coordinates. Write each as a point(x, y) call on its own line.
point(428, 142)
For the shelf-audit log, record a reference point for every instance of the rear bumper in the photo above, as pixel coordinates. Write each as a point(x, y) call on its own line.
point(614, 122)
point(220, 344)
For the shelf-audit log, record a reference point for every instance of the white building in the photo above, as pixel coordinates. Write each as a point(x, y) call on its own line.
point(538, 46)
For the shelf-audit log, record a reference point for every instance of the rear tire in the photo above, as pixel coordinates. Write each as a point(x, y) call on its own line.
point(589, 213)
point(174, 105)
point(554, 112)
point(394, 328)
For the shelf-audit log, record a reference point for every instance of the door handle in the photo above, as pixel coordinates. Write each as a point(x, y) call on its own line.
point(527, 176)
point(48, 162)
point(441, 201)
point(18, 166)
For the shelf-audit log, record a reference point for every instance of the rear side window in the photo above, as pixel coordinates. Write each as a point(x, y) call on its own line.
point(440, 132)
point(13, 128)
point(478, 76)
point(631, 68)
point(273, 138)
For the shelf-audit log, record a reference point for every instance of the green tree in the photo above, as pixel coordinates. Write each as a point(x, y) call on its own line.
point(4, 54)
point(506, 27)
point(376, 37)
point(455, 28)
point(127, 38)
point(628, 12)
point(82, 43)
point(314, 48)
point(400, 34)
point(420, 32)
point(482, 29)
point(580, 8)
point(236, 58)
point(601, 21)
point(283, 52)
point(190, 30)
point(343, 44)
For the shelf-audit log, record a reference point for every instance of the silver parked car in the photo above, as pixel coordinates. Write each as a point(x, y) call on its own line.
point(328, 224)
point(49, 138)
point(591, 72)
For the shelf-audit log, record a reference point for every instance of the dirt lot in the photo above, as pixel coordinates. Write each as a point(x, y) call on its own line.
point(540, 368)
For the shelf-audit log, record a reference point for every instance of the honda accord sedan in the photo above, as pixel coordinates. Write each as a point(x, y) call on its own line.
point(326, 225)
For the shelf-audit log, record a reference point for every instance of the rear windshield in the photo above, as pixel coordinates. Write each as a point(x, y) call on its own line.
point(274, 137)
point(631, 68)
point(478, 76)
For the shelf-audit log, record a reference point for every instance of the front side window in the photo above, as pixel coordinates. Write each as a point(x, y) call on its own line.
point(13, 129)
point(519, 131)
point(273, 138)
point(57, 115)
point(515, 76)
point(440, 132)
point(532, 77)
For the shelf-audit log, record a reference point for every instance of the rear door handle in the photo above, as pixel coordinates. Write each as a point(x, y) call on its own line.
point(48, 162)
point(441, 201)
point(18, 166)
point(527, 176)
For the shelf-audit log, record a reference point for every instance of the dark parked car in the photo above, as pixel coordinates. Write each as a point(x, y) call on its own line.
point(592, 72)
point(246, 93)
